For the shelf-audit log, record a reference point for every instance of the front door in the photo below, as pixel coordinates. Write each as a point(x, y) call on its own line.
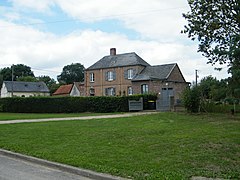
point(165, 100)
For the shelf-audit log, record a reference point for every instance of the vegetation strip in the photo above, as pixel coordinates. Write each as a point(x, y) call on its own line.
point(157, 146)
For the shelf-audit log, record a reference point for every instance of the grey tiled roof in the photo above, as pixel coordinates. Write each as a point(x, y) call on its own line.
point(159, 72)
point(19, 86)
point(119, 60)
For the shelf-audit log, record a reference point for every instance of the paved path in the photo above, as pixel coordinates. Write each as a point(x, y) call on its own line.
point(77, 118)
point(15, 169)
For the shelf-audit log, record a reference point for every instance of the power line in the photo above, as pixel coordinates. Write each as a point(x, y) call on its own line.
point(38, 69)
point(99, 17)
point(32, 68)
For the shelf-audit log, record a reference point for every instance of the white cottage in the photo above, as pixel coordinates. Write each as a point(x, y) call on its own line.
point(24, 89)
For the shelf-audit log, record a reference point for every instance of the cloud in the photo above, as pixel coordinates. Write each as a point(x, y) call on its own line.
point(42, 50)
point(154, 19)
point(158, 22)
point(40, 6)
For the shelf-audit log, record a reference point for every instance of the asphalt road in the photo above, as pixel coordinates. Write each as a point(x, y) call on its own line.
point(15, 169)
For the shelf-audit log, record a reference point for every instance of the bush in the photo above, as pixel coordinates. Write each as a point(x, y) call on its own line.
point(68, 104)
point(191, 99)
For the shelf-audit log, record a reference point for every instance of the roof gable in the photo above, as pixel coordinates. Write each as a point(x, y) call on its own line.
point(119, 60)
point(20, 86)
point(160, 72)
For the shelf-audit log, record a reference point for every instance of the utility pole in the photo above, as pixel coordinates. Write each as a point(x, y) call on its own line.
point(12, 77)
point(196, 74)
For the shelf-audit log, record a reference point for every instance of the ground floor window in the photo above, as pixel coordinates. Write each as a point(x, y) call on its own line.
point(144, 88)
point(111, 91)
point(130, 91)
point(92, 91)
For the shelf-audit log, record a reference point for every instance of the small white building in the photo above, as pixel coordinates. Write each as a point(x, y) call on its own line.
point(75, 89)
point(24, 89)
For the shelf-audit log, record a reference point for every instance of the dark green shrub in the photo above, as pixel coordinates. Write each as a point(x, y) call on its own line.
point(191, 99)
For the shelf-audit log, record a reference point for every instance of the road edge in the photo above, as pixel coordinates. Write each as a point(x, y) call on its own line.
point(59, 166)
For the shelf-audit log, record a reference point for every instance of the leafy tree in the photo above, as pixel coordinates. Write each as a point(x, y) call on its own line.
point(6, 74)
point(213, 89)
point(71, 73)
point(220, 90)
point(216, 26)
point(27, 79)
point(47, 79)
point(19, 70)
point(206, 85)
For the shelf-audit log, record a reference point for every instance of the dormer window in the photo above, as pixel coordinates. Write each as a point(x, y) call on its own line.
point(91, 77)
point(130, 73)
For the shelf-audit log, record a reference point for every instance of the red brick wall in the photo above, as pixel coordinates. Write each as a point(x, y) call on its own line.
point(156, 86)
point(120, 83)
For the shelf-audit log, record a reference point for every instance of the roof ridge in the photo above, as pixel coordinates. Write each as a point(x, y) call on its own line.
point(163, 65)
point(119, 60)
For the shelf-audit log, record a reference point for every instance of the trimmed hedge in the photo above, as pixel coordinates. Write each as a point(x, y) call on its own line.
point(68, 104)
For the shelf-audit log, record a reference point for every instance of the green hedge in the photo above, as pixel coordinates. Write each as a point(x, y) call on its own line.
point(68, 104)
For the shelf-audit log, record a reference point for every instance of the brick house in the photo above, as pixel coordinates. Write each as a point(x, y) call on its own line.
point(127, 74)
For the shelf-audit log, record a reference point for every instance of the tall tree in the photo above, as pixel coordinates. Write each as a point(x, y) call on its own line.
point(27, 79)
point(19, 70)
point(6, 74)
point(22, 70)
point(216, 25)
point(206, 85)
point(213, 89)
point(47, 79)
point(71, 73)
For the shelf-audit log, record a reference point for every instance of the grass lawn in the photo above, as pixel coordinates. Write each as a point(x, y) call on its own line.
point(15, 116)
point(158, 146)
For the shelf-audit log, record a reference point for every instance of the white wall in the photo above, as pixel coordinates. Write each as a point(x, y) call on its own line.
point(75, 91)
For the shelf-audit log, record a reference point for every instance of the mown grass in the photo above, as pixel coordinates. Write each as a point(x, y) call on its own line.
point(158, 146)
point(15, 116)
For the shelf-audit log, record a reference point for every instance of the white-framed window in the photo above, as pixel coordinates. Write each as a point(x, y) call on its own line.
point(130, 90)
point(110, 76)
point(110, 91)
point(92, 77)
point(130, 73)
point(144, 88)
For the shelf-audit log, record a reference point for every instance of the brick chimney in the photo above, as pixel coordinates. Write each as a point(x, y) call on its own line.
point(113, 52)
